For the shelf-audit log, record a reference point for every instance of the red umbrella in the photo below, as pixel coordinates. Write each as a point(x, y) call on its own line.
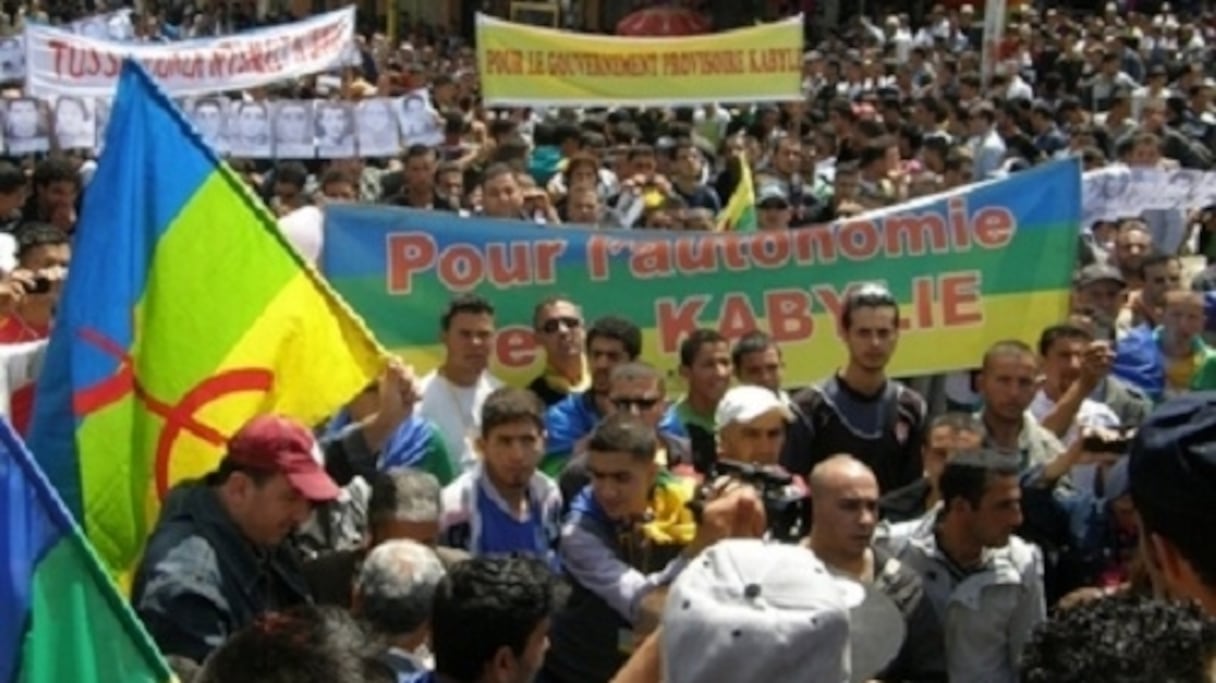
point(663, 21)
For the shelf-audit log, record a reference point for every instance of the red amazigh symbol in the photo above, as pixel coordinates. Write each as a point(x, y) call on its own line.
point(178, 418)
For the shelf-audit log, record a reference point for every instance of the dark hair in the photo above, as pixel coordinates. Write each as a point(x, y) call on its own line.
point(465, 303)
point(291, 173)
point(624, 433)
point(752, 342)
point(691, 346)
point(635, 370)
point(867, 296)
point(485, 604)
point(11, 178)
point(336, 175)
point(547, 302)
point(968, 475)
point(305, 644)
point(955, 422)
point(229, 467)
point(1122, 639)
point(496, 170)
point(1007, 347)
point(508, 405)
point(30, 236)
point(1057, 332)
point(1154, 259)
point(403, 494)
point(55, 171)
point(618, 329)
point(416, 151)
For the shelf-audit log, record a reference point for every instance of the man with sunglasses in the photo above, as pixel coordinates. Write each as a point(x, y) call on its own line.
point(638, 389)
point(558, 327)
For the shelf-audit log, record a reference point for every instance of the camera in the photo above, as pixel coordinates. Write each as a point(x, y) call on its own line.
point(41, 285)
point(786, 509)
point(1119, 443)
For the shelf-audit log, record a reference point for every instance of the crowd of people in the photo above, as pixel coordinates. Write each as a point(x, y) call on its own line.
point(1048, 524)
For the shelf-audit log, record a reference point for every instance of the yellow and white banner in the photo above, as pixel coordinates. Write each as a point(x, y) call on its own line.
point(528, 66)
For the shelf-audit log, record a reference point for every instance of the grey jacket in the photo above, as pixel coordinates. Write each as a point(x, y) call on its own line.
point(986, 617)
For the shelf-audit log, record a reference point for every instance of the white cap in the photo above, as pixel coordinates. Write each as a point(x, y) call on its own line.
point(745, 610)
point(747, 402)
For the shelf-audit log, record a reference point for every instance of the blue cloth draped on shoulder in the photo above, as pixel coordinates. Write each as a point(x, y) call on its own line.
point(1139, 363)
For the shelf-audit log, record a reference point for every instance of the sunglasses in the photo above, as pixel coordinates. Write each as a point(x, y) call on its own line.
point(628, 404)
point(553, 325)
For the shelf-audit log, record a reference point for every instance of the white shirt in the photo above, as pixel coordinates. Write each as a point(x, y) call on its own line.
point(304, 229)
point(456, 411)
point(1091, 414)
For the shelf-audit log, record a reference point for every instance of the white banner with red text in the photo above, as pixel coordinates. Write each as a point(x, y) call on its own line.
point(59, 62)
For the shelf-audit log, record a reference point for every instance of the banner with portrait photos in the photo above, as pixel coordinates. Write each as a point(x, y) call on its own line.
point(248, 129)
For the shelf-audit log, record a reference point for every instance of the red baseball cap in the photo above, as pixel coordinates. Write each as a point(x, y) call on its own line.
point(273, 443)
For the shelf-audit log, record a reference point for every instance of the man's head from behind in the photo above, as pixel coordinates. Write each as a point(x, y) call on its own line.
point(305, 644)
point(490, 619)
point(751, 424)
point(394, 591)
point(982, 498)
point(270, 478)
point(1173, 483)
point(404, 505)
point(1123, 639)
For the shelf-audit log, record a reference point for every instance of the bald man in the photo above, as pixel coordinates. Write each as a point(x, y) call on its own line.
point(844, 507)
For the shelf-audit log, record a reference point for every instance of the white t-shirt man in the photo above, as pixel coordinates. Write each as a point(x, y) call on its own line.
point(456, 411)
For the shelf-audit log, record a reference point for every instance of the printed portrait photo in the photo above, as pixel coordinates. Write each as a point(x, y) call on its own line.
point(208, 114)
point(335, 130)
point(293, 130)
point(12, 59)
point(74, 124)
point(26, 128)
point(249, 131)
point(376, 128)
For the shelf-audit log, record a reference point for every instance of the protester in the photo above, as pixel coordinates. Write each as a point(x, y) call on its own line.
point(403, 505)
point(859, 410)
point(453, 394)
point(393, 595)
point(897, 104)
point(305, 644)
point(705, 366)
point(1171, 472)
point(628, 534)
point(1121, 639)
point(504, 504)
point(558, 324)
point(217, 558)
point(947, 436)
point(985, 584)
point(491, 620)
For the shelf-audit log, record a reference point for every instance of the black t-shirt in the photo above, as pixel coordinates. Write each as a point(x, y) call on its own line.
point(884, 430)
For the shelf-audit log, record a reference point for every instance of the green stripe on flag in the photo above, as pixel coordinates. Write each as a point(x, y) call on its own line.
point(81, 630)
